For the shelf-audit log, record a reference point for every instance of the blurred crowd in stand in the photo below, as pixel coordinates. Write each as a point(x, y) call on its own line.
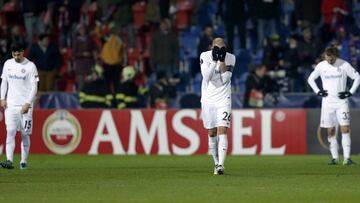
point(145, 53)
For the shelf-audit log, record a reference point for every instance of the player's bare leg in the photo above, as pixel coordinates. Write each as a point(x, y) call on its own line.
point(334, 146)
point(346, 144)
point(213, 146)
point(222, 148)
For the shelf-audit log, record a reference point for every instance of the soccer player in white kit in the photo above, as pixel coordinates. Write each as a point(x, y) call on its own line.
point(335, 106)
point(18, 91)
point(216, 69)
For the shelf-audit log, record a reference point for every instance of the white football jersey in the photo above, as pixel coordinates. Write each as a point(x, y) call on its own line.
point(214, 90)
point(19, 76)
point(333, 78)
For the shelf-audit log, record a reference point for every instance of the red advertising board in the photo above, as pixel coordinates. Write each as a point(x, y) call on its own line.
point(165, 132)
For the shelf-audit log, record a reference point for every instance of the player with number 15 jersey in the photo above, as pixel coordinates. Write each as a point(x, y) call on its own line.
point(18, 92)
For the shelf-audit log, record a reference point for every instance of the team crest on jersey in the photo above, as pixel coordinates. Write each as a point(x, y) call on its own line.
point(23, 70)
point(61, 132)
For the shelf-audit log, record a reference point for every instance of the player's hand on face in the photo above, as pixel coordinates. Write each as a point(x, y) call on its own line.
point(343, 95)
point(25, 108)
point(215, 53)
point(3, 103)
point(323, 93)
point(222, 54)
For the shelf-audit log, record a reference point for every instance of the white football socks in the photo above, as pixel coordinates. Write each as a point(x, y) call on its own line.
point(213, 145)
point(25, 147)
point(346, 144)
point(334, 147)
point(222, 148)
point(10, 143)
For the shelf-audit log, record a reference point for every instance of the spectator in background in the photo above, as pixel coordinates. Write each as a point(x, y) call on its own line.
point(273, 53)
point(127, 96)
point(16, 36)
point(291, 65)
point(309, 47)
point(162, 91)
point(268, 16)
point(309, 50)
point(113, 55)
point(10, 12)
point(333, 12)
point(274, 61)
point(74, 12)
point(347, 45)
point(96, 92)
point(233, 15)
point(257, 85)
point(47, 59)
point(205, 44)
point(307, 13)
point(341, 42)
point(89, 11)
point(123, 16)
point(33, 11)
point(164, 50)
point(206, 39)
point(64, 25)
point(84, 55)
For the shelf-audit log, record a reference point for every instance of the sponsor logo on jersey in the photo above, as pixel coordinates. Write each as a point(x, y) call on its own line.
point(332, 76)
point(61, 132)
point(16, 77)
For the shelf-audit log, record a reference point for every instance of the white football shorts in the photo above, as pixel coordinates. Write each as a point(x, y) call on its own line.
point(213, 116)
point(22, 122)
point(332, 114)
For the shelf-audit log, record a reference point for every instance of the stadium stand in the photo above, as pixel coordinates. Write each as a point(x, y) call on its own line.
point(188, 18)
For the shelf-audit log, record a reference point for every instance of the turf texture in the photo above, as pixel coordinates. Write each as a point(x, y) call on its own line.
point(106, 178)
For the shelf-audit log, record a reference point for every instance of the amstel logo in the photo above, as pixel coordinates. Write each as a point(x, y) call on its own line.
point(61, 132)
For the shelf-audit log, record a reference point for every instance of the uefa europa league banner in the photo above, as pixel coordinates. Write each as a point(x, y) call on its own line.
point(161, 132)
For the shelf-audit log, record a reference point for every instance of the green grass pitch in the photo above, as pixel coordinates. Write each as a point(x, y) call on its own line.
point(106, 178)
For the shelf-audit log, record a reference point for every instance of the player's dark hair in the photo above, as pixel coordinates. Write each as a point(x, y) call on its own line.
point(17, 46)
point(332, 51)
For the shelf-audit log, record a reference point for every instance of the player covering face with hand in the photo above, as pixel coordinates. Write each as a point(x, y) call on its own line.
point(216, 69)
point(18, 91)
point(334, 72)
